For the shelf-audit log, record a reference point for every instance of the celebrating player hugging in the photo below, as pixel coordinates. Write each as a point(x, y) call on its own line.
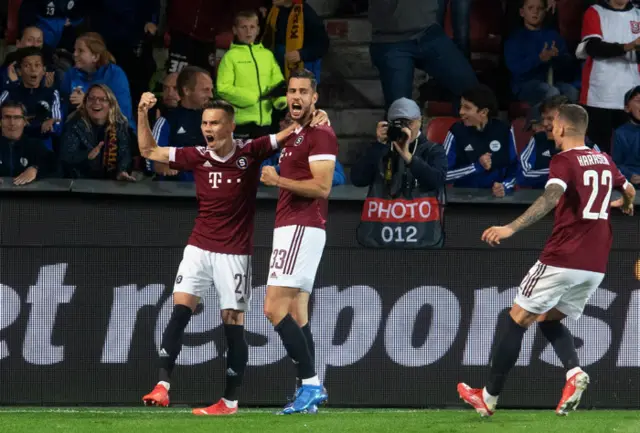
point(572, 264)
point(218, 253)
point(306, 172)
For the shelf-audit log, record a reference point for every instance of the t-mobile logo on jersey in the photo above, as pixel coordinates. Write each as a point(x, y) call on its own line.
point(215, 179)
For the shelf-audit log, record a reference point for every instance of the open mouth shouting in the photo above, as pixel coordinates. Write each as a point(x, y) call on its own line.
point(296, 110)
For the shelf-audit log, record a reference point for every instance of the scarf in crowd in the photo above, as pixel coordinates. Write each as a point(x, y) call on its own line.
point(295, 34)
point(110, 151)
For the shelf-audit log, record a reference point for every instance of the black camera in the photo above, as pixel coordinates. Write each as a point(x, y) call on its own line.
point(395, 132)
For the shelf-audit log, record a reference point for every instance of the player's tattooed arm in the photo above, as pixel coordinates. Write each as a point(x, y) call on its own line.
point(542, 206)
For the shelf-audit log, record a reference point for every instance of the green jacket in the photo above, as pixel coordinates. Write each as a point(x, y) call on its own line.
point(245, 73)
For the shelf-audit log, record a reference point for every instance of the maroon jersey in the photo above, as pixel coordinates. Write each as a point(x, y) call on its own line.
point(307, 145)
point(226, 189)
point(581, 236)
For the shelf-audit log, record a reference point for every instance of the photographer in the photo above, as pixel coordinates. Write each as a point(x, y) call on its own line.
point(405, 174)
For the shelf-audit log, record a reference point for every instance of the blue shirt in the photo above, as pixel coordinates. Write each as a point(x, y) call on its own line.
point(180, 128)
point(626, 149)
point(535, 159)
point(465, 145)
point(522, 56)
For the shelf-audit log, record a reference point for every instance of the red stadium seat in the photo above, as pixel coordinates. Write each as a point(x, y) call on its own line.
point(438, 127)
point(13, 9)
point(486, 26)
point(522, 136)
point(570, 20)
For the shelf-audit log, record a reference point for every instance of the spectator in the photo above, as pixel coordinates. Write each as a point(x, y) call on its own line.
point(127, 27)
point(481, 149)
point(194, 25)
point(23, 158)
point(56, 18)
point(460, 22)
point(426, 161)
point(247, 76)
point(169, 99)
point(96, 142)
point(406, 35)
point(42, 103)
point(626, 139)
point(274, 161)
point(297, 36)
point(181, 127)
point(609, 44)
point(532, 52)
point(31, 37)
point(535, 158)
point(95, 65)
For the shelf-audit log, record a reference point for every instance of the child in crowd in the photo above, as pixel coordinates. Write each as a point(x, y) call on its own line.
point(534, 51)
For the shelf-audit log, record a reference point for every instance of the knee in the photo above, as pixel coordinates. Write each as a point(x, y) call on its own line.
point(274, 311)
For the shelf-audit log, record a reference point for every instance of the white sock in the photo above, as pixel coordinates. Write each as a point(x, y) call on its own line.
point(165, 384)
point(311, 381)
point(490, 400)
point(230, 404)
point(573, 371)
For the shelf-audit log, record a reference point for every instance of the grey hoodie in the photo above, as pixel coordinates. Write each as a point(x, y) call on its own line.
point(399, 20)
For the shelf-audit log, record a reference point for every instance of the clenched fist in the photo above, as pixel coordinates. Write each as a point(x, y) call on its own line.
point(147, 101)
point(270, 176)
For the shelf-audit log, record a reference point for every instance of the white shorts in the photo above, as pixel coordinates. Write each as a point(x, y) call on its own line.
point(295, 257)
point(229, 274)
point(567, 290)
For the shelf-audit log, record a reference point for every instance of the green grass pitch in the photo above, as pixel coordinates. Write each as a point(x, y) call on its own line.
point(173, 420)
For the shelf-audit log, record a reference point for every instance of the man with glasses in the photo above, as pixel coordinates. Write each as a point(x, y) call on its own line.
point(21, 158)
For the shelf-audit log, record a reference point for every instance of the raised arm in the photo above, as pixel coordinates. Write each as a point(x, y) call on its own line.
point(149, 149)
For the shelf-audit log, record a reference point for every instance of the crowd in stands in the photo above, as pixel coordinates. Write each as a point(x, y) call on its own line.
point(550, 52)
point(79, 68)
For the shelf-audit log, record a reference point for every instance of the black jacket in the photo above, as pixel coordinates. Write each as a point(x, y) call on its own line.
point(17, 156)
point(78, 139)
point(429, 167)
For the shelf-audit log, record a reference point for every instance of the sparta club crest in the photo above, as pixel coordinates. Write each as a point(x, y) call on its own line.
point(242, 163)
point(298, 140)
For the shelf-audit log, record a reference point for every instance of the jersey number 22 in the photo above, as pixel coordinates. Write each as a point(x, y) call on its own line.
point(592, 179)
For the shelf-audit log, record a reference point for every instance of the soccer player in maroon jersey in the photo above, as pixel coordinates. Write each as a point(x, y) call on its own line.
point(226, 173)
point(572, 263)
point(307, 163)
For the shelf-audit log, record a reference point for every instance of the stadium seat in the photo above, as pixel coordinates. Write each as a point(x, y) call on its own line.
point(438, 128)
point(11, 33)
point(486, 26)
point(522, 137)
point(570, 20)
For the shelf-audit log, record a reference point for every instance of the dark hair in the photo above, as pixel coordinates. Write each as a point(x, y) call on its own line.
point(23, 53)
point(244, 15)
point(482, 97)
point(13, 104)
point(305, 74)
point(219, 104)
point(187, 78)
point(575, 116)
point(523, 2)
point(553, 103)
